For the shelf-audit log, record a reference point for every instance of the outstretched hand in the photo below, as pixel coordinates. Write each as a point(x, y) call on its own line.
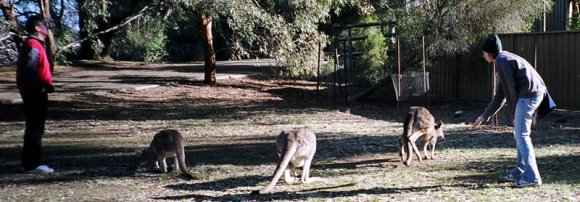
point(477, 122)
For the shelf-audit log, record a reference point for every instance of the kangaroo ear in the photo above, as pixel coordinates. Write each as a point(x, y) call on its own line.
point(439, 124)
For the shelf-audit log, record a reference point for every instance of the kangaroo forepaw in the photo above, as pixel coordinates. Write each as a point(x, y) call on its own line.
point(291, 180)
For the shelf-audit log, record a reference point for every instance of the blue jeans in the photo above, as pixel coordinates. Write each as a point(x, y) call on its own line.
point(526, 167)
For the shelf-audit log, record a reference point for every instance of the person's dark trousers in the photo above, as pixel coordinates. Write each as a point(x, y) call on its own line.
point(35, 105)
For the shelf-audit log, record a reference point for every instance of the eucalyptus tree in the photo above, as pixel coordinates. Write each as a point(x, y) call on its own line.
point(453, 26)
point(99, 21)
point(286, 30)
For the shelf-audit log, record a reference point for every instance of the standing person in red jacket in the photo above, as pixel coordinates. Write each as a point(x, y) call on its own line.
point(34, 80)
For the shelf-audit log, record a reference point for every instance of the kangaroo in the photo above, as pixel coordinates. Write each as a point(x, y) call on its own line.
point(165, 144)
point(430, 139)
point(295, 148)
point(419, 123)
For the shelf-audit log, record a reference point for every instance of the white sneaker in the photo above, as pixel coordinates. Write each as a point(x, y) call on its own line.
point(42, 169)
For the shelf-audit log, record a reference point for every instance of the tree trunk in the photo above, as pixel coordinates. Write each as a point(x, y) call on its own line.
point(8, 11)
point(49, 41)
point(86, 51)
point(107, 40)
point(209, 53)
point(57, 16)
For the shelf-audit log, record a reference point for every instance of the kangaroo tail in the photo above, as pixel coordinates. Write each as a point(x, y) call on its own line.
point(281, 167)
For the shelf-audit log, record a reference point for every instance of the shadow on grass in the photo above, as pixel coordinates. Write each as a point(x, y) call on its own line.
point(90, 106)
point(228, 67)
point(102, 160)
point(553, 169)
point(77, 162)
point(319, 193)
point(359, 164)
point(329, 146)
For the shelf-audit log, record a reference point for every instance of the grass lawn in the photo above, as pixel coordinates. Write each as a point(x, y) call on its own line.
point(92, 139)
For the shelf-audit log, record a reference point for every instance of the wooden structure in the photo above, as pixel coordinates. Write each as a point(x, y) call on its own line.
point(411, 84)
point(344, 53)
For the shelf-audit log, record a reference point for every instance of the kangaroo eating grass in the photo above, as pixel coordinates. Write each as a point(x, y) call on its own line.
point(165, 144)
point(419, 123)
point(295, 148)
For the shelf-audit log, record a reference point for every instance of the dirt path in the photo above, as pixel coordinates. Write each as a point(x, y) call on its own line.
point(94, 76)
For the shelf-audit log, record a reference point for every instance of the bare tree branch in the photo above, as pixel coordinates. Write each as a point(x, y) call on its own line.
point(8, 35)
point(121, 24)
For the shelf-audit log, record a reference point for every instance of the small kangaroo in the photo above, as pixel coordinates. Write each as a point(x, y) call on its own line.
point(430, 139)
point(295, 148)
point(419, 123)
point(165, 144)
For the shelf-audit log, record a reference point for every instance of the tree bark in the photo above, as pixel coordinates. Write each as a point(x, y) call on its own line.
point(209, 53)
point(50, 44)
point(57, 19)
point(86, 50)
point(8, 11)
point(107, 40)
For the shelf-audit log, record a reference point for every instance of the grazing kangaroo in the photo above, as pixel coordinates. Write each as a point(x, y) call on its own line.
point(419, 123)
point(165, 144)
point(295, 148)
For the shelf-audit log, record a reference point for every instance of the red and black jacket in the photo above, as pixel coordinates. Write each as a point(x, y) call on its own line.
point(33, 67)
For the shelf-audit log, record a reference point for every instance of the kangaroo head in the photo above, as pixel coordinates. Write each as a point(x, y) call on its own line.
point(147, 155)
point(439, 129)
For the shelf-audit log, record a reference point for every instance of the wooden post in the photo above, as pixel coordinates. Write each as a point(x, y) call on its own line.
point(335, 65)
point(544, 20)
point(349, 64)
point(399, 72)
point(318, 70)
point(425, 72)
point(493, 93)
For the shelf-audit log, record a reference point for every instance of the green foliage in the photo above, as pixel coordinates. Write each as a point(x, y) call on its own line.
point(371, 66)
point(66, 37)
point(98, 13)
point(327, 68)
point(453, 26)
point(292, 36)
point(286, 30)
point(574, 24)
point(575, 20)
point(375, 56)
point(142, 41)
point(184, 37)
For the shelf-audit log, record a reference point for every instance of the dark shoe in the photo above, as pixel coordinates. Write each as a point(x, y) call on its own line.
point(524, 184)
point(510, 178)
